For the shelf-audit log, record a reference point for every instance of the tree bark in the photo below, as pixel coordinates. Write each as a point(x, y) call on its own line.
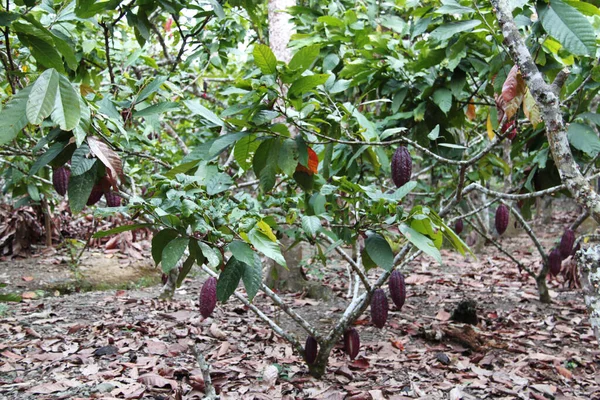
point(588, 262)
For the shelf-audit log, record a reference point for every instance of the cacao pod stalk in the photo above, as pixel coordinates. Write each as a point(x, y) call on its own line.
point(401, 166)
point(379, 308)
point(208, 297)
point(566, 243)
point(351, 343)
point(397, 288)
point(501, 219)
point(310, 350)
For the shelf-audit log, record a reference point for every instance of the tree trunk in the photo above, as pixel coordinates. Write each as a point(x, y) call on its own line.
point(588, 261)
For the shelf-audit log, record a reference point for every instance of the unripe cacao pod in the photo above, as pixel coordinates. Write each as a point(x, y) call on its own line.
point(310, 350)
point(60, 180)
point(554, 261)
point(501, 218)
point(96, 195)
point(208, 297)
point(401, 166)
point(351, 343)
point(566, 243)
point(112, 199)
point(379, 308)
point(397, 288)
point(459, 226)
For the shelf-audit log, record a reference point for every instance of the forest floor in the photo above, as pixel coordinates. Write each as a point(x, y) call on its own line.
point(126, 344)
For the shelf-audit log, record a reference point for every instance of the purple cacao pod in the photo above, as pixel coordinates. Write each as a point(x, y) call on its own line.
point(397, 288)
point(379, 308)
point(401, 166)
point(566, 243)
point(164, 278)
point(459, 226)
point(351, 343)
point(208, 297)
point(112, 198)
point(96, 195)
point(576, 249)
point(554, 261)
point(60, 180)
point(501, 219)
point(310, 350)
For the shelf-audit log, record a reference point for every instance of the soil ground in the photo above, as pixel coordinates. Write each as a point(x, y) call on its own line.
point(126, 344)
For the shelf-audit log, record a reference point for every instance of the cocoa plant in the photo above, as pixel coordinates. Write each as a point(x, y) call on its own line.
point(379, 308)
point(351, 343)
point(401, 166)
point(501, 219)
point(208, 297)
point(60, 180)
point(397, 288)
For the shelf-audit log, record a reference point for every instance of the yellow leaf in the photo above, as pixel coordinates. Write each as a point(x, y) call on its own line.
point(244, 236)
point(490, 129)
point(266, 229)
point(531, 110)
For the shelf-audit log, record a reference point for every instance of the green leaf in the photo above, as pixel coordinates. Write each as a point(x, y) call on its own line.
point(229, 279)
point(43, 52)
point(7, 17)
point(265, 59)
point(66, 112)
point(119, 229)
point(593, 117)
point(443, 98)
point(80, 163)
point(50, 154)
point(218, 183)
point(159, 241)
point(266, 246)
point(311, 225)
point(150, 89)
point(173, 252)
point(80, 187)
point(198, 109)
point(244, 150)
point(453, 7)
point(156, 109)
point(379, 251)
point(185, 269)
point(10, 297)
point(242, 251)
point(304, 58)
point(13, 117)
point(252, 277)
point(583, 138)
point(306, 83)
point(42, 97)
point(421, 241)
point(288, 157)
point(213, 256)
point(448, 29)
point(89, 8)
point(569, 27)
point(265, 165)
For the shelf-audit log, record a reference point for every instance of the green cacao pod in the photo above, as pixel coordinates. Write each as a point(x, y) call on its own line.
point(401, 166)
point(112, 198)
point(554, 261)
point(379, 308)
point(60, 180)
point(208, 297)
point(96, 195)
point(351, 343)
point(566, 243)
point(459, 226)
point(501, 219)
point(397, 288)
point(310, 350)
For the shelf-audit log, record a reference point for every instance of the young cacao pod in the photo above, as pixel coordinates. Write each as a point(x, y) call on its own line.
point(501, 218)
point(208, 297)
point(379, 308)
point(351, 343)
point(401, 166)
point(310, 350)
point(554, 261)
point(96, 195)
point(60, 180)
point(112, 198)
point(566, 243)
point(459, 226)
point(397, 288)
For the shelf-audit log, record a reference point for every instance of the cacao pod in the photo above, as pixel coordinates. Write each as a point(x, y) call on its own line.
point(96, 195)
point(379, 308)
point(60, 180)
point(208, 297)
point(459, 226)
point(501, 218)
point(401, 166)
point(351, 343)
point(112, 199)
point(397, 288)
point(566, 243)
point(554, 261)
point(576, 249)
point(164, 278)
point(310, 350)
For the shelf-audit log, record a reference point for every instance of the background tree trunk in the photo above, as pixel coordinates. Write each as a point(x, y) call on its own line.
point(588, 262)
